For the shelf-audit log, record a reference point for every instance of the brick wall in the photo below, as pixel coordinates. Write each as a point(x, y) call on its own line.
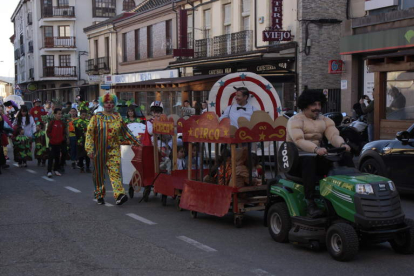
point(325, 40)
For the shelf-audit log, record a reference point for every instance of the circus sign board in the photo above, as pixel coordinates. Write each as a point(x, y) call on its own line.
point(164, 126)
point(263, 94)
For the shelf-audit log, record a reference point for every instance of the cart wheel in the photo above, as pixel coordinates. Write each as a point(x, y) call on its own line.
point(177, 203)
point(403, 243)
point(164, 200)
point(238, 221)
point(193, 214)
point(342, 242)
point(131, 192)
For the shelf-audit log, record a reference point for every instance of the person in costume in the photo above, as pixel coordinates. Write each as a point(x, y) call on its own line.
point(24, 120)
point(132, 116)
point(306, 130)
point(56, 132)
point(21, 147)
point(242, 108)
point(73, 113)
point(38, 111)
point(81, 126)
point(103, 147)
point(40, 144)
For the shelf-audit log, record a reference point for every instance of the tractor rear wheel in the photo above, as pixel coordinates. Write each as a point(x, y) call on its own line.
point(278, 222)
point(342, 242)
point(403, 243)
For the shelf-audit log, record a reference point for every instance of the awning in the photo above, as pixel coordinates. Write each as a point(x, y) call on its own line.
point(169, 81)
point(391, 39)
point(65, 87)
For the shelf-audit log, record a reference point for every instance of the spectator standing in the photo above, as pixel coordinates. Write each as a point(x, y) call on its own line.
point(57, 135)
point(368, 109)
point(67, 109)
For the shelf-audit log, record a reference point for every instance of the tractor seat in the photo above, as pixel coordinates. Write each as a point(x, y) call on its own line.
point(296, 179)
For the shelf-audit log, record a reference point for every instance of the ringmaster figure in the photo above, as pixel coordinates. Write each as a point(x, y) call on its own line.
point(306, 130)
point(103, 147)
point(242, 108)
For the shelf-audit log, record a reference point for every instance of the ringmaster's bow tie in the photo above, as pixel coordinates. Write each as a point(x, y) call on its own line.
point(239, 107)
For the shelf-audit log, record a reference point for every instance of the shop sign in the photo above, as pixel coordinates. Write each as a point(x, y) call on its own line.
point(105, 86)
point(335, 67)
point(138, 77)
point(279, 67)
point(32, 87)
point(96, 78)
point(276, 32)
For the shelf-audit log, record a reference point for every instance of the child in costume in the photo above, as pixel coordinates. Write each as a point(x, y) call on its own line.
point(103, 146)
point(40, 144)
point(21, 147)
point(81, 126)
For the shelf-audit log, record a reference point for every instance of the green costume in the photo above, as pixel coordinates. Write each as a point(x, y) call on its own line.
point(40, 145)
point(22, 150)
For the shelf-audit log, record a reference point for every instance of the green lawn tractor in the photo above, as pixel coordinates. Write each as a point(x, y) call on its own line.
point(359, 208)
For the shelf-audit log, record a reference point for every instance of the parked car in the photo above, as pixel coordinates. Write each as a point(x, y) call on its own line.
point(393, 159)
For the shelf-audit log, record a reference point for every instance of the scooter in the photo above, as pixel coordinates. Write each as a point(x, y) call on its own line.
point(359, 208)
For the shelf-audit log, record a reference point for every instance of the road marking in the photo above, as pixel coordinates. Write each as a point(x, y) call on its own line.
point(48, 178)
point(197, 244)
point(141, 219)
point(72, 189)
point(31, 171)
point(106, 204)
point(261, 272)
point(15, 164)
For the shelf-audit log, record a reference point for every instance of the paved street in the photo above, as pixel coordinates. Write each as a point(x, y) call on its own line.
point(53, 227)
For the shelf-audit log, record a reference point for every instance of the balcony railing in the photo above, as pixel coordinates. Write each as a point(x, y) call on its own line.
point(30, 47)
point(203, 48)
point(103, 63)
point(91, 65)
point(48, 12)
point(59, 71)
point(235, 43)
point(60, 42)
point(16, 54)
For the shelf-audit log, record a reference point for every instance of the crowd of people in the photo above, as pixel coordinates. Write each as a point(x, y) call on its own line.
point(46, 133)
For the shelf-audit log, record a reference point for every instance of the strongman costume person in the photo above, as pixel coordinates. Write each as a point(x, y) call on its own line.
point(307, 129)
point(103, 147)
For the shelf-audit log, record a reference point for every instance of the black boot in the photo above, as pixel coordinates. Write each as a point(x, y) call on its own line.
point(313, 210)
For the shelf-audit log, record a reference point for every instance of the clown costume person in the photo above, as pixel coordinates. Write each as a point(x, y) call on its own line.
point(103, 147)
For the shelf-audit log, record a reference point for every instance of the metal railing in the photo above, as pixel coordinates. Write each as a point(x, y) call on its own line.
point(103, 63)
point(68, 11)
point(234, 43)
point(90, 65)
point(203, 48)
point(60, 42)
point(59, 71)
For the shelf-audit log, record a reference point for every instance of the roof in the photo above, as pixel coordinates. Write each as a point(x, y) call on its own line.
point(7, 79)
point(108, 21)
point(147, 5)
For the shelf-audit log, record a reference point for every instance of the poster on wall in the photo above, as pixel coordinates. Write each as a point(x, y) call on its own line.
point(368, 81)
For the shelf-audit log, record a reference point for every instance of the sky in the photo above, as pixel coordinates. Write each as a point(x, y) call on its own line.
point(6, 31)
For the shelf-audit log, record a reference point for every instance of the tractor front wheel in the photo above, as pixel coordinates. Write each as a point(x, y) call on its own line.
point(403, 243)
point(342, 242)
point(278, 222)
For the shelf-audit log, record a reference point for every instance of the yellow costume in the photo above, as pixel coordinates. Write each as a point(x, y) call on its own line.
point(102, 139)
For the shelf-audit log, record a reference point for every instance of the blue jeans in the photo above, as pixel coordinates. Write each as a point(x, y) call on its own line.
point(72, 146)
point(371, 132)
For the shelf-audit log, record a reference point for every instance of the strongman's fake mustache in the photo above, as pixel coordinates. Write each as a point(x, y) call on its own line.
point(316, 110)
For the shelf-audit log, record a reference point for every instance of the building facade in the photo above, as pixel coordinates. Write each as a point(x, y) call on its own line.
point(228, 36)
point(6, 89)
point(51, 48)
point(377, 48)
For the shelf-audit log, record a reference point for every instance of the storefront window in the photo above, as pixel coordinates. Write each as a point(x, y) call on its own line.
point(171, 101)
point(144, 101)
point(400, 96)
